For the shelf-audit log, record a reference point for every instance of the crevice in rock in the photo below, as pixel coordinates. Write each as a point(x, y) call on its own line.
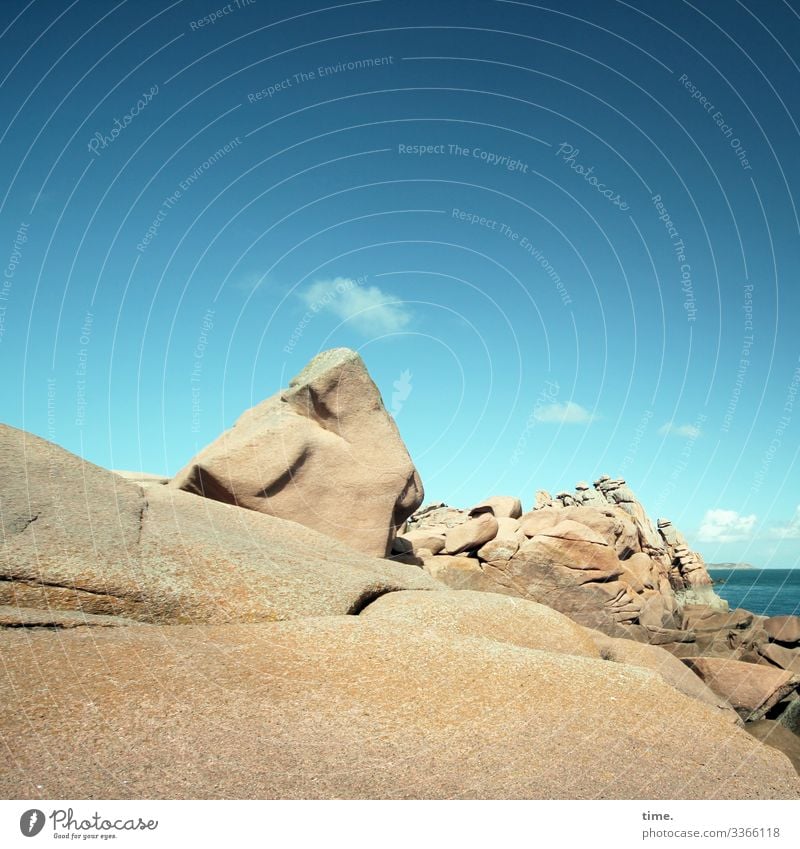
point(284, 479)
point(201, 482)
point(367, 596)
point(20, 524)
point(55, 626)
point(33, 582)
point(142, 511)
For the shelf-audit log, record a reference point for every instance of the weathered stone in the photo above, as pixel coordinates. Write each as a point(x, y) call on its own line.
point(787, 659)
point(538, 520)
point(414, 540)
point(644, 569)
point(751, 690)
point(86, 540)
point(472, 534)
point(324, 453)
point(783, 629)
point(503, 548)
point(705, 618)
point(352, 707)
point(654, 611)
point(502, 506)
point(508, 528)
point(459, 573)
point(542, 498)
point(437, 520)
point(496, 617)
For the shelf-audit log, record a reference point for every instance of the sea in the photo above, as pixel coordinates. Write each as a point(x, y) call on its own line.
point(769, 592)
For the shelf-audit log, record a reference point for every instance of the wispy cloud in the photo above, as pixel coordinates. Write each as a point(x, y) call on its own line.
point(367, 308)
point(689, 431)
point(251, 281)
point(727, 526)
point(790, 530)
point(568, 413)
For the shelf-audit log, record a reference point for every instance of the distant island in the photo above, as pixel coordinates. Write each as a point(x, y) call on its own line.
point(730, 566)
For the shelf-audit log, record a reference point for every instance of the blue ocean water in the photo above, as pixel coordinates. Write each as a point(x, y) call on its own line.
point(770, 592)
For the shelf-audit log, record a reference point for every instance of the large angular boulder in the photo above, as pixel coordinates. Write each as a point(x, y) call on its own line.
point(324, 453)
point(80, 538)
point(751, 689)
point(354, 707)
point(784, 629)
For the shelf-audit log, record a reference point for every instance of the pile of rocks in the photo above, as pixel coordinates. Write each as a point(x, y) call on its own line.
point(596, 556)
point(593, 554)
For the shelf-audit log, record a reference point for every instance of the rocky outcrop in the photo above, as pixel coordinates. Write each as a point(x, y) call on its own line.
point(494, 617)
point(374, 706)
point(595, 556)
point(80, 538)
point(592, 554)
point(751, 689)
point(324, 453)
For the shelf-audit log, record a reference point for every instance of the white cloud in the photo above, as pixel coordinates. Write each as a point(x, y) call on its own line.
point(791, 530)
point(366, 307)
point(687, 430)
point(569, 413)
point(727, 526)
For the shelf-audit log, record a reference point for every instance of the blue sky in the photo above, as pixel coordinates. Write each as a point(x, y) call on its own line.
point(563, 238)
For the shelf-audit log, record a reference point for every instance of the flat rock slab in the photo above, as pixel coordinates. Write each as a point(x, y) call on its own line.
point(671, 669)
point(750, 688)
point(345, 707)
point(702, 617)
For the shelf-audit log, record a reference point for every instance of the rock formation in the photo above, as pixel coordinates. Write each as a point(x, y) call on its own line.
point(150, 638)
point(80, 538)
point(324, 452)
point(396, 703)
point(593, 554)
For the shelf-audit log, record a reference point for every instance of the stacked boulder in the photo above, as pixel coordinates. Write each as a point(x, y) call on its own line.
point(595, 555)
